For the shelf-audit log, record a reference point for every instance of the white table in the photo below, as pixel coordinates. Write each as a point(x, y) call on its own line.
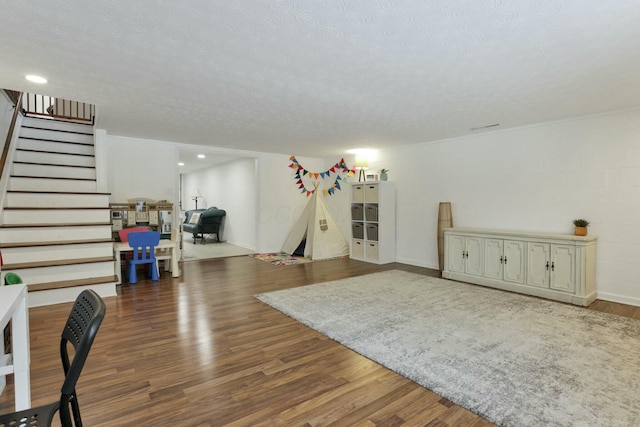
point(172, 245)
point(13, 306)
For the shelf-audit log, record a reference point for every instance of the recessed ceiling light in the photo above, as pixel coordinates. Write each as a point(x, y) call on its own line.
point(201, 156)
point(35, 79)
point(180, 163)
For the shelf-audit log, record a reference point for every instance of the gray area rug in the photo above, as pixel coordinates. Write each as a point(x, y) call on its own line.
point(513, 359)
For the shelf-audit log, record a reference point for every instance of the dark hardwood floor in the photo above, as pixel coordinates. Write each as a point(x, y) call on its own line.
point(200, 350)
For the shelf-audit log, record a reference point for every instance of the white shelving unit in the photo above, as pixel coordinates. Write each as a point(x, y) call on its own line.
point(373, 222)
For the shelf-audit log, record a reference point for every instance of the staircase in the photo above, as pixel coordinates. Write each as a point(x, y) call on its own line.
point(56, 230)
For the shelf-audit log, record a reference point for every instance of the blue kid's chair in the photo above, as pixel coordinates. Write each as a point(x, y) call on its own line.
point(144, 252)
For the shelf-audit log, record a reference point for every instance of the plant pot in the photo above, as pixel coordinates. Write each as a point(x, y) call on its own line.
point(383, 176)
point(581, 231)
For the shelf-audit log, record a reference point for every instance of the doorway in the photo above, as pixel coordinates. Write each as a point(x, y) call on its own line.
point(224, 181)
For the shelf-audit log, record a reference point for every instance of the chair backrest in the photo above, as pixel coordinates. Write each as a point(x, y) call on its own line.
point(124, 233)
point(143, 244)
point(80, 330)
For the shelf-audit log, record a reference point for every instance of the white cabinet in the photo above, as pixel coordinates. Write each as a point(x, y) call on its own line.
point(560, 267)
point(504, 260)
point(373, 222)
point(551, 266)
point(466, 254)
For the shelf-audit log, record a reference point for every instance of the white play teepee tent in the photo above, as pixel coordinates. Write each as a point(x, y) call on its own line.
point(316, 225)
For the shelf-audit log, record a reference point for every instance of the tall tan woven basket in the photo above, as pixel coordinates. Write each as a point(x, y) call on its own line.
point(445, 220)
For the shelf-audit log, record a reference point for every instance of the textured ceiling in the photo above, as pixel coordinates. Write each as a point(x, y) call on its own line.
point(318, 77)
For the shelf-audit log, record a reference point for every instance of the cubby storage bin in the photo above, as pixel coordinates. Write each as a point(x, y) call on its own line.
point(372, 232)
point(371, 212)
point(358, 193)
point(357, 230)
point(357, 213)
point(371, 193)
point(371, 252)
point(357, 249)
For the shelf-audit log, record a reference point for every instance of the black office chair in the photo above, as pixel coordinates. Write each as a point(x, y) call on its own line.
point(81, 328)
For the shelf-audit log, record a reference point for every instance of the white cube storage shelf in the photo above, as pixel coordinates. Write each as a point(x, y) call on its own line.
point(555, 266)
point(373, 222)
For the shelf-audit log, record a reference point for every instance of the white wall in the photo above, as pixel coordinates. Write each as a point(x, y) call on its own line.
point(535, 178)
point(279, 200)
point(134, 167)
point(232, 187)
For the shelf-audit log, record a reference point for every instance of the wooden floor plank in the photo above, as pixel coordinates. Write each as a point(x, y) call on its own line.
point(201, 350)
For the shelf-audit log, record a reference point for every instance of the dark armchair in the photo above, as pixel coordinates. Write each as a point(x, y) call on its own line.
point(204, 221)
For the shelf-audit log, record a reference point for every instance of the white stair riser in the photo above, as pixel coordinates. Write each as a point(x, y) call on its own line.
point(53, 171)
point(62, 216)
point(44, 184)
point(56, 252)
point(56, 135)
point(60, 273)
point(54, 234)
point(57, 200)
point(58, 159)
point(57, 296)
point(58, 125)
point(56, 147)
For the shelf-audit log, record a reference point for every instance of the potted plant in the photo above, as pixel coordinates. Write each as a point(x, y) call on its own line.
point(581, 227)
point(383, 174)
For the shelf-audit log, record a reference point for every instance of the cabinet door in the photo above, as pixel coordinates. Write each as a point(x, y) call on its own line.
point(455, 253)
point(563, 267)
point(538, 264)
point(475, 256)
point(514, 261)
point(493, 258)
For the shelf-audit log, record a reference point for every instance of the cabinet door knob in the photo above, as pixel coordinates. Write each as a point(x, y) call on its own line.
point(505, 259)
point(547, 265)
point(553, 266)
point(501, 260)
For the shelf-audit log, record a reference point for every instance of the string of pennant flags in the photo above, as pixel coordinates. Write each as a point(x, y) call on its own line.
point(337, 171)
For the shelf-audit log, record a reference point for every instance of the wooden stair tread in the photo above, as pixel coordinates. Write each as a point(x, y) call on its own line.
point(53, 165)
point(56, 243)
point(86, 144)
point(57, 263)
point(59, 192)
point(55, 208)
point(51, 225)
point(27, 126)
point(54, 152)
point(49, 121)
point(53, 177)
point(72, 283)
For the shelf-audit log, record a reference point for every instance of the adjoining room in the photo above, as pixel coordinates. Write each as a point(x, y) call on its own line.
point(225, 221)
